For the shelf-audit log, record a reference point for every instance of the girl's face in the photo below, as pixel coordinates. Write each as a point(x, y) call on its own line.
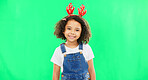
point(72, 31)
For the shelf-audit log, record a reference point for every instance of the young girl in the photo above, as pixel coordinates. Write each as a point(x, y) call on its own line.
point(75, 56)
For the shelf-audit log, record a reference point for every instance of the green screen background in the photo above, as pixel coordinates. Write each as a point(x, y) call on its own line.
point(119, 37)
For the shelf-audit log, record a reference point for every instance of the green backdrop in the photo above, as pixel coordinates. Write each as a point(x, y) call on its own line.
point(119, 37)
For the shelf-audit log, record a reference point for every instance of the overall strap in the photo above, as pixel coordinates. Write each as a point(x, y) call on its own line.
point(63, 48)
point(81, 46)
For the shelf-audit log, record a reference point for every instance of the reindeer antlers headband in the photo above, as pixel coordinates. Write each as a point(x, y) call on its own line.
point(70, 10)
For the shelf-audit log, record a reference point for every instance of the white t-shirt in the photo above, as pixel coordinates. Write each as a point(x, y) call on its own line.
point(58, 56)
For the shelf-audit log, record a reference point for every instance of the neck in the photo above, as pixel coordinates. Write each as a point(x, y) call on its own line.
point(71, 44)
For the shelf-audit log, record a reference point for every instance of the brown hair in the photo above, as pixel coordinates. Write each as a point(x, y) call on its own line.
point(60, 28)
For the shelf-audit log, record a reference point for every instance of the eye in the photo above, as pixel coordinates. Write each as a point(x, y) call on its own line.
point(68, 28)
point(77, 30)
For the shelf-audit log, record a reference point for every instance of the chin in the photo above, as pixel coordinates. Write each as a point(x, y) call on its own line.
point(72, 40)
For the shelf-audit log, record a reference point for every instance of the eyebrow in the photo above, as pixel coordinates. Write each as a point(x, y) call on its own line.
point(77, 28)
point(70, 27)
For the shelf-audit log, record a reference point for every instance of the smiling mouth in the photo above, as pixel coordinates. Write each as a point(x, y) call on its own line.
point(71, 37)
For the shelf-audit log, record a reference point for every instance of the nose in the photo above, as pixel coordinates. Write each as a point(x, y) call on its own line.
point(72, 31)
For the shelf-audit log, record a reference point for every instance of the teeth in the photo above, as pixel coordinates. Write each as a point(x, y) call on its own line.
point(72, 36)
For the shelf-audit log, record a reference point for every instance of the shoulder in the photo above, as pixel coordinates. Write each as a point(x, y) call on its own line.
point(58, 49)
point(88, 53)
point(86, 46)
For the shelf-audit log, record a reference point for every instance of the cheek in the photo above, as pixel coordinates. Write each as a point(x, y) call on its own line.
point(66, 32)
point(79, 33)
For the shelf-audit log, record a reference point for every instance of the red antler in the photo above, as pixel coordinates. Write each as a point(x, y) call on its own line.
point(82, 12)
point(70, 10)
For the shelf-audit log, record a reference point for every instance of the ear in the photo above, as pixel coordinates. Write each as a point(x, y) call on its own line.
point(63, 32)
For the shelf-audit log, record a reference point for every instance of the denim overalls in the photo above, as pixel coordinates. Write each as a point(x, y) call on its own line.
point(75, 66)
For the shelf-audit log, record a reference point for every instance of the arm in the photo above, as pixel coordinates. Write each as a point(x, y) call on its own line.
point(91, 70)
point(56, 72)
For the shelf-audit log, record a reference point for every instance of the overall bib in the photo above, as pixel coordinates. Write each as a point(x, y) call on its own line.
point(75, 66)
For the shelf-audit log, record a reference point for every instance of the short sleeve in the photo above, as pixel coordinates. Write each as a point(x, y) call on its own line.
point(89, 53)
point(57, 58)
